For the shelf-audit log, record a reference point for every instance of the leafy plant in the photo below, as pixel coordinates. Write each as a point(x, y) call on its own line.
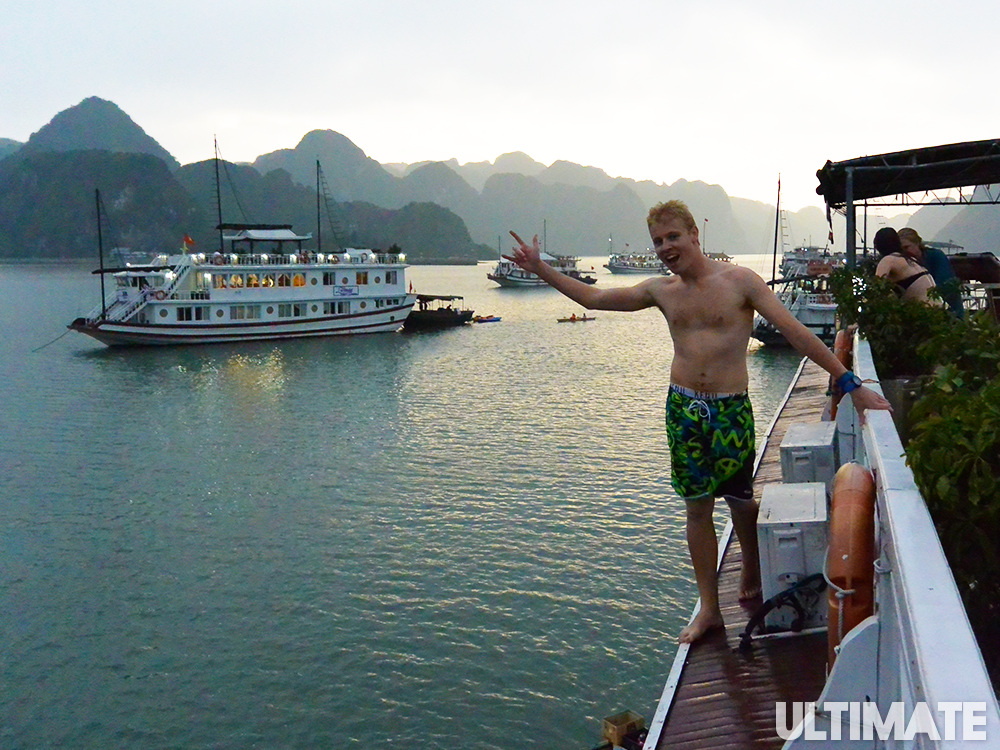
point(894, 328)
point(954, 451)
point(953, 446)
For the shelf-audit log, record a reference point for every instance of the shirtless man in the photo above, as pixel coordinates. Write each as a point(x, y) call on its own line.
point(709, 307)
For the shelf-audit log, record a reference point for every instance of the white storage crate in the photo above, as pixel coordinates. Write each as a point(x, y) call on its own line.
point(809, 453)
point(792, 536)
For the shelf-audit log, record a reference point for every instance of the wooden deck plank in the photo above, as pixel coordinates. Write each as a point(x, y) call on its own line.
point(725, 699)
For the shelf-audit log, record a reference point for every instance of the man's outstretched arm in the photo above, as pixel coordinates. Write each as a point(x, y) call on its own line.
point(627, 299)
point(809, 345)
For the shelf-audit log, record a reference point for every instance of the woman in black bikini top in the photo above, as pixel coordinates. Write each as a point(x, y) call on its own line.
point(905, 283)
point(912, 280)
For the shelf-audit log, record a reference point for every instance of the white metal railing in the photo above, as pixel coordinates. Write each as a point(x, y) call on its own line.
point(120, 308)
point(918, 648)
point(306, 258)
point(976, 296)
point(123, 308)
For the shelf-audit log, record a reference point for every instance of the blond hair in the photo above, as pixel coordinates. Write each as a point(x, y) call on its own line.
point(911, 235)
point(661, 213)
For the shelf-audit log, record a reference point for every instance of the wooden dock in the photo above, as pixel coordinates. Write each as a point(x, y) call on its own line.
point(718, 697)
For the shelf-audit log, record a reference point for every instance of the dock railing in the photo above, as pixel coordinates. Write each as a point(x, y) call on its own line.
point(918, 649)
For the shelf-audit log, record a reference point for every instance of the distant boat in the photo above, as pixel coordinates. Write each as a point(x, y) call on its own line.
point(576, 319)
point(486, 319)
point(810, 260)
point(264, 285)
point(803, 289)
point(507, 273)
point(808, 298)
point(635, 263)
point(435, 311)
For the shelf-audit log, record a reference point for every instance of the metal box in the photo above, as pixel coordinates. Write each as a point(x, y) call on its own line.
point(809, 453)
point(792, 536)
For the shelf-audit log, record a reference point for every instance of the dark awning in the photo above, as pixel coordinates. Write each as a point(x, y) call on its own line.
point(441, 297)
point(920, 169)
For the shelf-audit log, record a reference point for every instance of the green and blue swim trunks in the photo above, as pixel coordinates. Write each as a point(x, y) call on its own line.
point(712, 444)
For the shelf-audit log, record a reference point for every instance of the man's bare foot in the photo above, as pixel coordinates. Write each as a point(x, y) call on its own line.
point(703, 623)
point(749, 583)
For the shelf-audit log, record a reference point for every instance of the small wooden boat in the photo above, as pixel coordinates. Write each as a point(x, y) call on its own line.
point(486, 319)
point(576, 319)
point(435, 311)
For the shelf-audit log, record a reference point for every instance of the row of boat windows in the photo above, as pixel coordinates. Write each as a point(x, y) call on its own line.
point(268, 280)
point(187, 313)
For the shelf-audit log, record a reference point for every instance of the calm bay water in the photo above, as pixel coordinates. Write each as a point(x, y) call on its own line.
point(457, 539)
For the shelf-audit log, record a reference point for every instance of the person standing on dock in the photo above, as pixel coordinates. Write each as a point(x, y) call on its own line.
point(709, 307)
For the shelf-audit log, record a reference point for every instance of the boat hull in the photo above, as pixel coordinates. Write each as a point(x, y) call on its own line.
point(113, 333)
point(768, 335)
point(650, 271)
point(432, 320)
point(518, 282)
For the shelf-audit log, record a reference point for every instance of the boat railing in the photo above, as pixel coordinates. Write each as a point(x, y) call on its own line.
point(128, 306)
point(819, 298)
point(301, 259)
point(920, 639)
point(178, 277)
point(981, 296)
point(120, 307)
point(197, 295)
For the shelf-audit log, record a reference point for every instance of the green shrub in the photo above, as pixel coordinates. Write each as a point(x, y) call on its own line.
point(894, 328)
point(953, 445)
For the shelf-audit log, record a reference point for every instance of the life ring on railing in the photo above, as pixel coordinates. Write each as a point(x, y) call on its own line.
point(842, 350)
point(850, 559)
point(218, 260)
point(160, 295)
point(364, 257)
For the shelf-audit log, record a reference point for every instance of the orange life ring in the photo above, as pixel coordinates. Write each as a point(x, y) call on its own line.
point(160, 294)
point(850, 560)
point(842, 350)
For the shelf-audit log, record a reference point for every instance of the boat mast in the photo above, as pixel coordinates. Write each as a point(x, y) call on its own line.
point(218, 196)
point(777, 229)
point(100, 248)
point(319, 223)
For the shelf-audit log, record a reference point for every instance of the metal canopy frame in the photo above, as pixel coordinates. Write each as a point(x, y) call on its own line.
point(903, 173)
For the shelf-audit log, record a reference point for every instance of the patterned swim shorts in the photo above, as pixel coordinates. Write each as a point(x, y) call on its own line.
point(712, 444)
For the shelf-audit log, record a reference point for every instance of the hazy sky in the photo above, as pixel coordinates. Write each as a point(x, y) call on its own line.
point(728, 92)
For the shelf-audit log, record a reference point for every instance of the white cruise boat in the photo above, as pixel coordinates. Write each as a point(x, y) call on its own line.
point(810, 301)
point(265, 287)
point(810, 260)
point(803, 288)
point(647, 263)
point(508, 273)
